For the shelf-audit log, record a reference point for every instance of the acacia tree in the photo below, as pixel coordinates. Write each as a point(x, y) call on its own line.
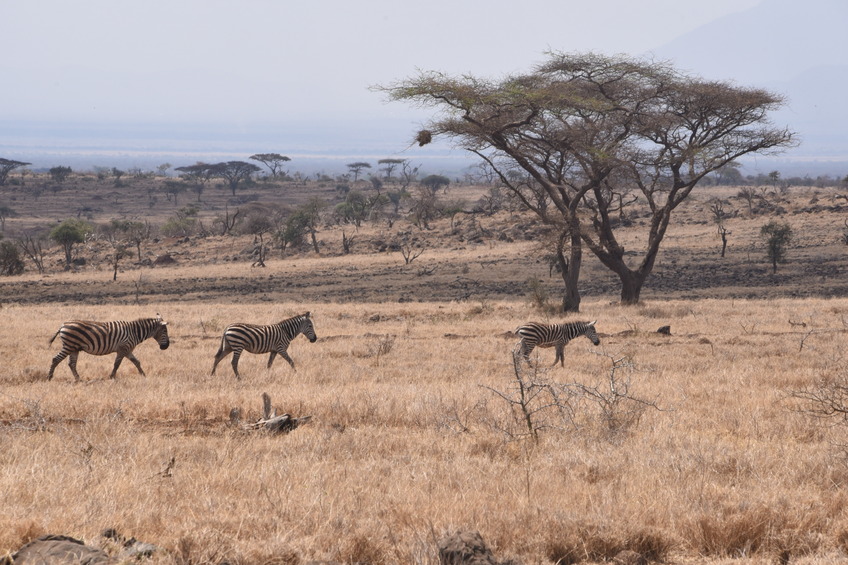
point(356, 168)
point(591, 131)
point(197, 176)
point(234, 172)
point(389, 166)
point(274, 162)
point(7, 166)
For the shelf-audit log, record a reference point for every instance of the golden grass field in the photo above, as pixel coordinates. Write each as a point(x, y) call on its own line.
point(406, 444)
point(708, 456)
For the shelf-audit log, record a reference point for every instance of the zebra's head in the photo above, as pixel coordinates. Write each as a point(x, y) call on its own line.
point(160, 332)
point(307, 328)
point(591, 333)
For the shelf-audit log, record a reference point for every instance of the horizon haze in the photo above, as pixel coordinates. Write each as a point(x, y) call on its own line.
point(138, 84)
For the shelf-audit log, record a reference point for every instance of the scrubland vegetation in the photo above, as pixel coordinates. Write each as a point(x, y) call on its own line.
point(715, 459)
point(709, 445)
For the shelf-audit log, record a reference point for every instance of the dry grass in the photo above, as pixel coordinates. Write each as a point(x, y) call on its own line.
point(403, 445)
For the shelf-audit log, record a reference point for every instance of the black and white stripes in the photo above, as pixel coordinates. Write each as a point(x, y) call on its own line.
point(535, 335)
point(103, 338)
point(271, 339)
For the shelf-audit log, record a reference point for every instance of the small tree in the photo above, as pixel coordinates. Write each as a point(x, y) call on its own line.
point(719, 215)
point(234, 172)
point(389, 165)
point(302, 221)
point(748, 194)
point(60, 174)
point(7, 166)
point(69, 233)
point(354, 209)
point(356, 168)
point(32, 244)
point(5, 212)
point(197, 176)
point(274, 162)
point(435, 182)
point(258, 223)
point(119, 251)
point(10, 259)
point(172, 188)
point(777, 236)
point(129, 232)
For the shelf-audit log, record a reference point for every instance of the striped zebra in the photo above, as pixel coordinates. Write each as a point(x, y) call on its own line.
point(535, 335)
point(271, 339)
point(103, 338)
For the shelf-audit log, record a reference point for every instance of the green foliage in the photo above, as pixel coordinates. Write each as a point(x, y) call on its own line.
point(183, 224)
point(777, 236)
point(435, 182)
point(354, 209)
point(11, 262)
point(294, 230)
point(60, 174)
point(69, 233)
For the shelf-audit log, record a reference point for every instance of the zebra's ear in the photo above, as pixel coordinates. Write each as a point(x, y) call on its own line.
point(593, 323)
point(306, 315)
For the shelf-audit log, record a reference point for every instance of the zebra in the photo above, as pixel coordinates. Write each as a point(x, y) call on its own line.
point(271, 339)
point(534, 335)
point(103, 338)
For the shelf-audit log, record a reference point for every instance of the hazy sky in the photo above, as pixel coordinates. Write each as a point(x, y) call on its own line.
point(245, 61)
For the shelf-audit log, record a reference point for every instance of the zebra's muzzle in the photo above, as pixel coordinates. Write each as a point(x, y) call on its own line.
point(165, 345)
point(313, 339)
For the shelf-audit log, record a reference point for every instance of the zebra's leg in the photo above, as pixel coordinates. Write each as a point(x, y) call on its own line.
point(137, 363)
point(271, 358)
point(526, 350)
point(56, 360)
point(72, 363)
point(284, 354)
point(559, 356)
point(223, 351)
point(236, 356)
point(118, 358)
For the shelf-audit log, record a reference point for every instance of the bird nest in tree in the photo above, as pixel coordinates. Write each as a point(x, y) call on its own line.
point(424, 137)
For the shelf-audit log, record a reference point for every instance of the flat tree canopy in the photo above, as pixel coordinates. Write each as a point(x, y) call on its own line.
point(274, 162)
point(592, 134)
point(7, 166)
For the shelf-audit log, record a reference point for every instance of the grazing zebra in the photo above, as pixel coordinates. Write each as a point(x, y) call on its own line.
point(103, 338)
point(535, 335)
point(272, 339)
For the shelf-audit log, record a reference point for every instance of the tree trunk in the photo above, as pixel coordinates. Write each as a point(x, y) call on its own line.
point(631, 286)
point(315, 242)
point(570, 270)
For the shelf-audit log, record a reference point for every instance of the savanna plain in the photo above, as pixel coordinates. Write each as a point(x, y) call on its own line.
point(711, 444)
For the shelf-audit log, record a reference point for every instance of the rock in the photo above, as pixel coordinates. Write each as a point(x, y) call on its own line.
point(60, 550)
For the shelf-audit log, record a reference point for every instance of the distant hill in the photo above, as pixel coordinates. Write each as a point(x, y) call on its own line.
point(799, 49)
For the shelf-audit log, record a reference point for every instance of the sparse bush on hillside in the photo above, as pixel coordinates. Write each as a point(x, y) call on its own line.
point(777, 236)
point(69, 233)
point(10, 259)
point(183, 224)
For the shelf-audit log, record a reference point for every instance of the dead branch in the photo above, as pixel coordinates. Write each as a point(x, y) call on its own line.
point(270, 421)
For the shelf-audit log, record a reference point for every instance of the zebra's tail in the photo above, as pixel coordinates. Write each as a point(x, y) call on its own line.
point(54, 336)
